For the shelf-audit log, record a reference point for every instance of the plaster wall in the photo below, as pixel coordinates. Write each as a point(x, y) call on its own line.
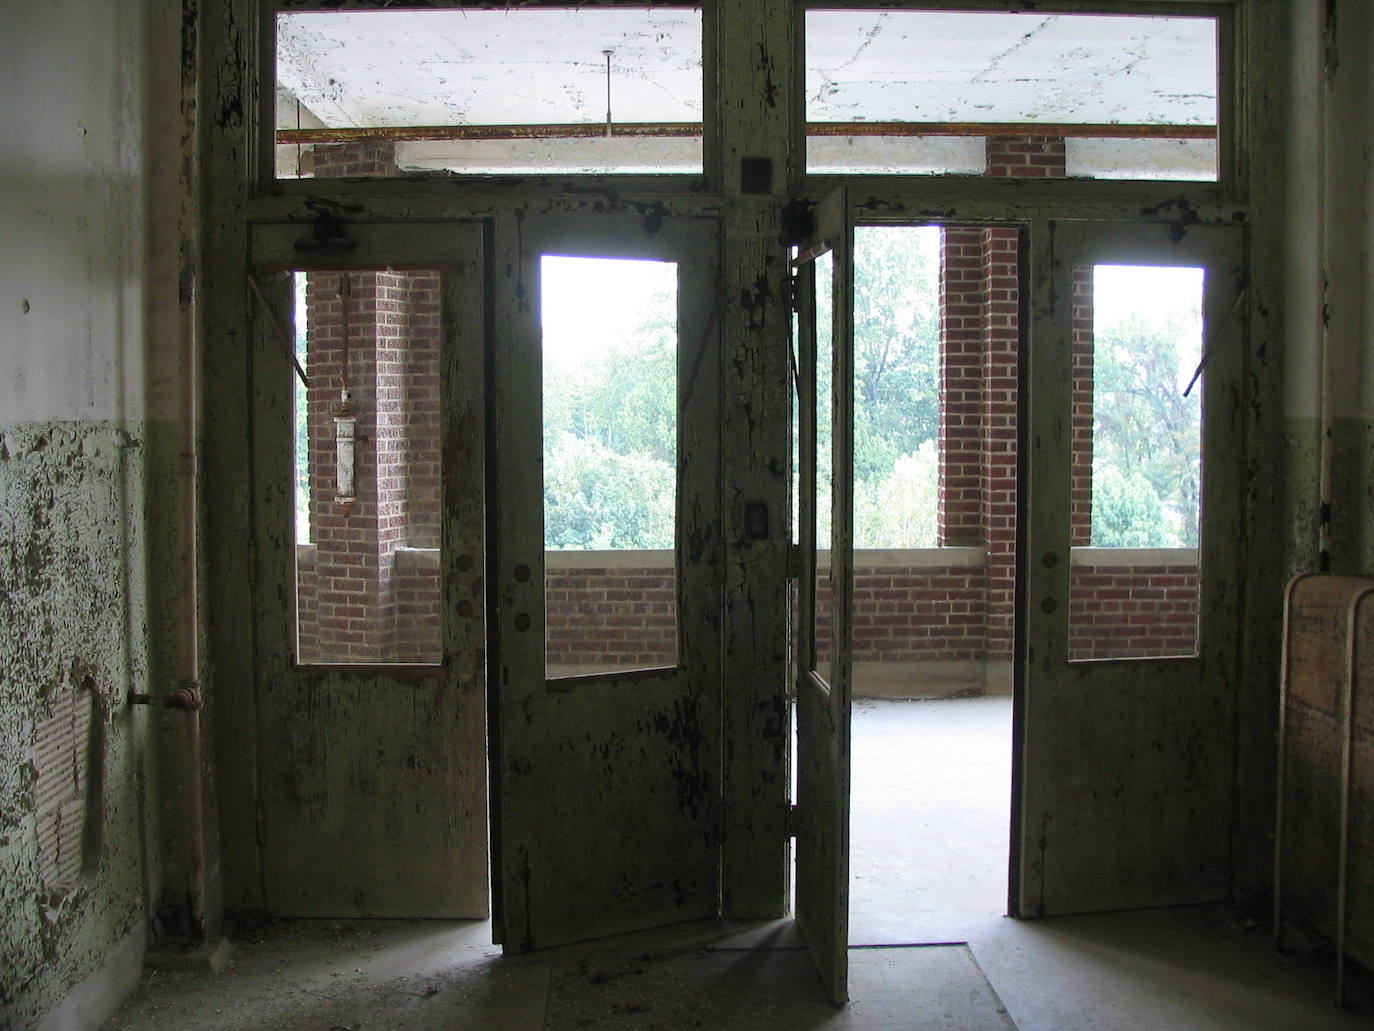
point(1348, 264)
point(88, 289)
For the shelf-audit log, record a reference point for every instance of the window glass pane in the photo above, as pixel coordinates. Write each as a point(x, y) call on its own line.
point(825, 352)
point(1011, 94)
point(896, 386)
point(499, 91)
point(1137, 472)
point(610, 463)
point(367, 551)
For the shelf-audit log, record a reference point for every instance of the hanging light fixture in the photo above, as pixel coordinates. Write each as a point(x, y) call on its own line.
point(345, 415)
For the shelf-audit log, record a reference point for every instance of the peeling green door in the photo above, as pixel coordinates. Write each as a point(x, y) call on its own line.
point(824, 662)
point(369, 700)
point(605, 578)
point(1131, 574)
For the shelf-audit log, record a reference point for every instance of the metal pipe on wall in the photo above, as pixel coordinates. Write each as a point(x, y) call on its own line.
point(1325, 445)
point(190, 494)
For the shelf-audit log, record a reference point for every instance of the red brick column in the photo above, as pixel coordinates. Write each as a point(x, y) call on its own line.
point(961, 387)
point(1081, 431)
point(1025, 157)
point(1001, 346)
point(351, 566)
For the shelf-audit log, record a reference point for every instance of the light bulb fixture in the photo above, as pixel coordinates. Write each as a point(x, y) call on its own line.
point(345, 416)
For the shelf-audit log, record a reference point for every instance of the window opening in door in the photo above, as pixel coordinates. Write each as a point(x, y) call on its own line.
point(507, 91)
point(1012, 94)
point(367, 552)
point(935, 394)
point(825, 396)
point(937, 342)
point(610, 439)
point(1137, 467)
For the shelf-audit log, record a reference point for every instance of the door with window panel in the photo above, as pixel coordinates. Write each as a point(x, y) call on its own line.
point(605, 633)
point(368, 447)
point(1131, 576)
point(824, 360)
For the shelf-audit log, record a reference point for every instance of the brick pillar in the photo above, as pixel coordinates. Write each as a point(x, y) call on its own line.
point(1001, 344)
point(1081, 432)
point(340, 160)
point(1019, 157)
point(422, 409)
point(961, 386)
point(352, 553)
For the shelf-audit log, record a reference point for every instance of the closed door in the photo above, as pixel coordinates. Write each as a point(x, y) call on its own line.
point(605, 578)
point(370, 683)
point(1131, 570)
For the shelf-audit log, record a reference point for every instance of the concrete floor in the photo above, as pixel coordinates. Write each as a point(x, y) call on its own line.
point(931, 950)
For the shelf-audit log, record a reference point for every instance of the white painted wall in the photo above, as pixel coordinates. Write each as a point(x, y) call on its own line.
point(73, 206)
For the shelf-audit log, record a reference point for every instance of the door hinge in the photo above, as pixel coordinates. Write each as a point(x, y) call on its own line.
point(790, 821)
point(259, 823)
point(793, 291)
point(793, 561)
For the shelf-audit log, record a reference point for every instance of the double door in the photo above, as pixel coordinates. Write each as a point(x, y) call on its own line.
point(389, 764)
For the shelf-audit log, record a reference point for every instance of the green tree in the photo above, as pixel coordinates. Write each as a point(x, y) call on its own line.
point(1147, 435)
point(896, 346)
point(599, 499)
point(610, 441)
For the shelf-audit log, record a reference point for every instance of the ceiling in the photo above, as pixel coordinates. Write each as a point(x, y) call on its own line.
point(522, 66)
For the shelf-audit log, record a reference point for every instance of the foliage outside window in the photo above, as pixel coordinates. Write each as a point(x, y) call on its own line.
point(1147, 342)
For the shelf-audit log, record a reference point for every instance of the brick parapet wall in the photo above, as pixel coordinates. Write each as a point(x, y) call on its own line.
point(1025, 157)
point(611, 617)
point(342, 160)
point(912, 611)
point(1133, 612)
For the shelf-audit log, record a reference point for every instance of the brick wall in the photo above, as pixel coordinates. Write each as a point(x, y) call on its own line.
point(1081, 429)
point(610, 616)
point(381, 330)
point(1133, 611)
point(1025, 157)
point(915, 613)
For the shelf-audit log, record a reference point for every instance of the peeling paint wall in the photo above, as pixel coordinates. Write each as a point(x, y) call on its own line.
point(83, 283)
point(71, 608)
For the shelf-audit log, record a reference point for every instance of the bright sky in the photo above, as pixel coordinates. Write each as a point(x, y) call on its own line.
point(587, 302)
point(1155, 292)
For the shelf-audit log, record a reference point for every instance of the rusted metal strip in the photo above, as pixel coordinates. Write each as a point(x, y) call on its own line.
point(544, 131)
point(811, 253)
point(692, 130)
point(1215, 339)
point(283, 337)
point(1072, 130)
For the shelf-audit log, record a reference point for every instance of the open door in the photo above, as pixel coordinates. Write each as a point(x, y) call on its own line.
point(825, 378)
point(1130, 567)
point(367, 454)
point(605, 578)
